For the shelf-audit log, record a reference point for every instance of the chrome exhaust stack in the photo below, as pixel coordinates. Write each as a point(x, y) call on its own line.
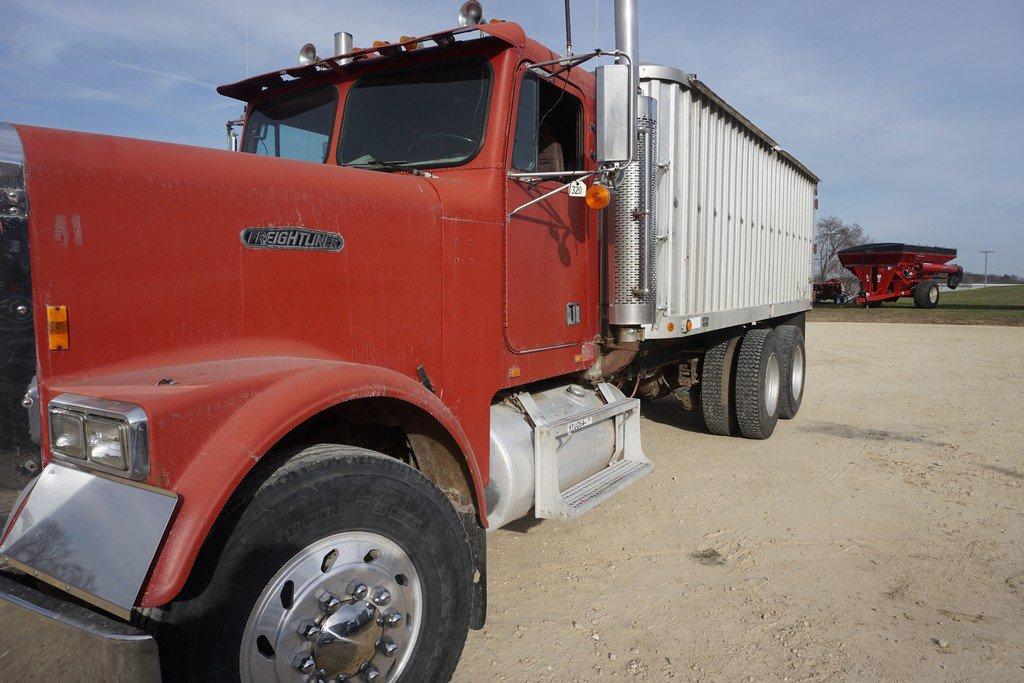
point(627, 35)
point(343, 45)
point(630, 227)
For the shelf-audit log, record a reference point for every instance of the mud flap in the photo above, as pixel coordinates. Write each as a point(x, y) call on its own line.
point(478, 545)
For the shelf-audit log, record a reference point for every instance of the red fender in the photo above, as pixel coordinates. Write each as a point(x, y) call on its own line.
point(253, 403)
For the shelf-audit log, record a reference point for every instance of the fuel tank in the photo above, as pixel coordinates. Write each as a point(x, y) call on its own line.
point(510, 492)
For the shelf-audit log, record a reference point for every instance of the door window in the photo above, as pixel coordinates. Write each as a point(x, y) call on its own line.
point(548, 128)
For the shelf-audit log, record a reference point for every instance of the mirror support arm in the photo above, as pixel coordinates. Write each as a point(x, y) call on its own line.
point(544, 196)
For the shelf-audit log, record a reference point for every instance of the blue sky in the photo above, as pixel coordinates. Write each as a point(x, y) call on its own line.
point(911, 112)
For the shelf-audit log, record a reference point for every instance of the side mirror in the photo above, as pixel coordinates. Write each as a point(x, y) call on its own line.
point(616, 120)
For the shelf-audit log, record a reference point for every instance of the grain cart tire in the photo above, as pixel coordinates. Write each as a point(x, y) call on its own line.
point(716, 385)
point(342, 562)
point(794, 366)
point(926, 294)
point(758, 383)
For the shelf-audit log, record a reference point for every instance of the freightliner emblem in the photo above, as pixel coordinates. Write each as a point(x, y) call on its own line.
point(287, 237)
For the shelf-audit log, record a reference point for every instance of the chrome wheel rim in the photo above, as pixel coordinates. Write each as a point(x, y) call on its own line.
point(797, 379)
point(771, 384)
point(933, 294)
point(347, 607)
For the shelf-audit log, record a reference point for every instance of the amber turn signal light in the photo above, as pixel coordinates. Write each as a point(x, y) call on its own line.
point(598, 196)
point(57, 328)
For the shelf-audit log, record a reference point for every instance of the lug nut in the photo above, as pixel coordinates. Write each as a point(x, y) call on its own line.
point(381, 597)
point(386, 646)
point(304, 663)
point(12, 196)
point(370, 672)
point(22, 309)
point(357, 589)
point(329, 603)
point(393, 619)
point(309, 630)
point(27, 402)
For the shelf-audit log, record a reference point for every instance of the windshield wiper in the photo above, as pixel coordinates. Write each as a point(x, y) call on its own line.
point(367, 161)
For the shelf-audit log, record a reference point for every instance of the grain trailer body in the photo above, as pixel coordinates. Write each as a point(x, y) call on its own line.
point(735, 213)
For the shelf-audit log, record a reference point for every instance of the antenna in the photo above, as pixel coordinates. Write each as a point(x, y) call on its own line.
point(246, 38)
point(568, 30)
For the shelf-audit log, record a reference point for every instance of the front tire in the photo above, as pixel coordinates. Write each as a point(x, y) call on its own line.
point(333, 521)
point(758, 383)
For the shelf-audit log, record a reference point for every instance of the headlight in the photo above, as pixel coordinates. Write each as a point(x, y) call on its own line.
point(66, 433)
point(108, 436)
point(106, 443)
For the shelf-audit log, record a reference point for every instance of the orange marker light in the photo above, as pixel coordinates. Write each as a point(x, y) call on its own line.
point(57, 327)
point(689, 325)
point(671, 327)
point(598, 196)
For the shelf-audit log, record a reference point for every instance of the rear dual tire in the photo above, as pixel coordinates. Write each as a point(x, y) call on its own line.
point(749, 382)
point(758, 383)
point(794, 366)
point(716, 388)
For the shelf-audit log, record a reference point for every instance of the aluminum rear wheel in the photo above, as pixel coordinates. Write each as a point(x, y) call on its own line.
point(345, 607)
point(772, 382)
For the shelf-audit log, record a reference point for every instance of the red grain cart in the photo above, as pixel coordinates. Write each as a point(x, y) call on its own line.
point(890, 270)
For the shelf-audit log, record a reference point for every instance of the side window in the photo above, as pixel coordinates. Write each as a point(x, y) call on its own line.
point(548, 127)
point(293, 127)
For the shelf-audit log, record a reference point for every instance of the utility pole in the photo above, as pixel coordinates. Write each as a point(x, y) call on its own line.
point(986, 252)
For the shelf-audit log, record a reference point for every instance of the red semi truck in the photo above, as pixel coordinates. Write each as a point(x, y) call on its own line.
point(263, 405)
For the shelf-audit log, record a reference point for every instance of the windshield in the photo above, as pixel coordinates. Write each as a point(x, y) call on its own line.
point(293, 127)
point(424, 117)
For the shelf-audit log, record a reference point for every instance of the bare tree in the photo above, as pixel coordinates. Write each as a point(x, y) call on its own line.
point(832, 235)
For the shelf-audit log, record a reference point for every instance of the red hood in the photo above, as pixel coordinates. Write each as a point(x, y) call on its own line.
point(142, 242)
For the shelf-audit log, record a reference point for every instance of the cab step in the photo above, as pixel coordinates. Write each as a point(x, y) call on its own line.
point(626, 465)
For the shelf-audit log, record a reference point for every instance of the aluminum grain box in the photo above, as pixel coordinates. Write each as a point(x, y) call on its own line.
point(735, 214)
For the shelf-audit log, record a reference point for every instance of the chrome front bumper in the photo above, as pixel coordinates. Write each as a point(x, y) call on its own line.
point(45, 638)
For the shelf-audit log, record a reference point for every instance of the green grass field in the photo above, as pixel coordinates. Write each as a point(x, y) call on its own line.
point(985, 306)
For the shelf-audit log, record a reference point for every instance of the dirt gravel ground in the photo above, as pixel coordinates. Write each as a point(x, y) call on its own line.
point(879, 535)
